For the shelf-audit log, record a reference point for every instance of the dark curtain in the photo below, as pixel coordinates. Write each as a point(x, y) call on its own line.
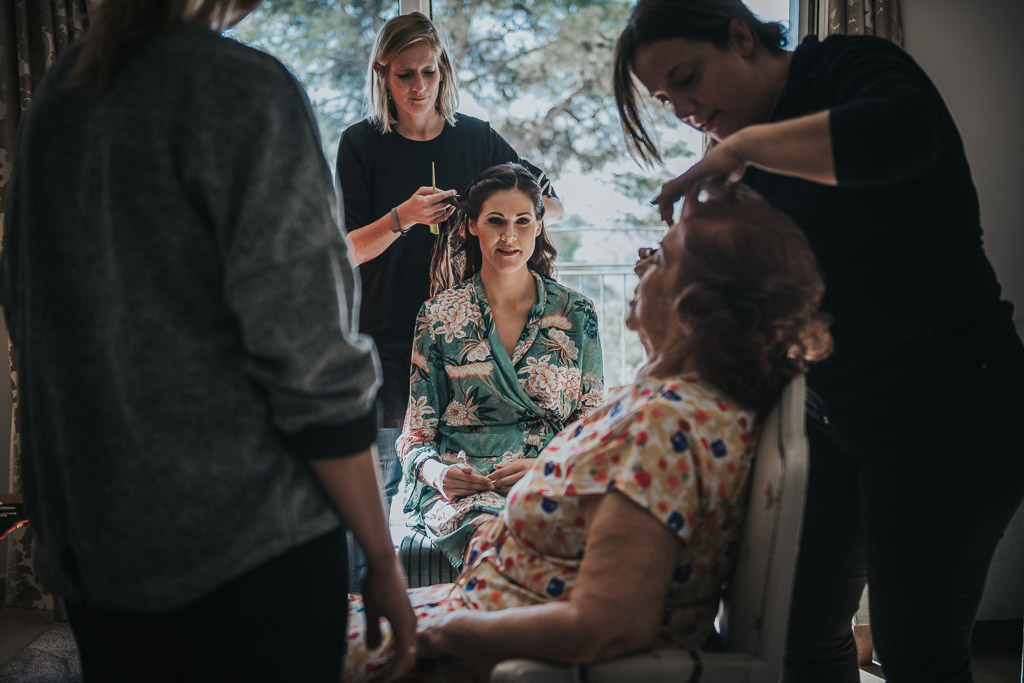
point(866, 17)
point(33, 33)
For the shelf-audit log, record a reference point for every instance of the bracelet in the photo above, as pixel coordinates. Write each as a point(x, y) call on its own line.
point(398, 226)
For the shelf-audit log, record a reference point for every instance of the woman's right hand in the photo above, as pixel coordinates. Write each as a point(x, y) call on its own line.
point(384, 595)
point(425, 206)
point(461, 480)
point(721, 161)
point(454, 481)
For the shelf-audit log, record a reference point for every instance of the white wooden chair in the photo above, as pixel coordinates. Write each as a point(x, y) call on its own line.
point(755, 608)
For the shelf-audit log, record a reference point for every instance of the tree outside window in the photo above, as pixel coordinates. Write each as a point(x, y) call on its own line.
point(540, 72)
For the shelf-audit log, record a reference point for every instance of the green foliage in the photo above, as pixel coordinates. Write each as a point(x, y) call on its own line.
point(541, 68)
point(327, 45)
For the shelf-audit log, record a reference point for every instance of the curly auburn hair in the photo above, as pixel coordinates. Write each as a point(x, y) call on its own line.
point(457, 255)
point(749, 293)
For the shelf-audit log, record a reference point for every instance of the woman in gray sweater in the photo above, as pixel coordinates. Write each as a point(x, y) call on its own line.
point(196, 403)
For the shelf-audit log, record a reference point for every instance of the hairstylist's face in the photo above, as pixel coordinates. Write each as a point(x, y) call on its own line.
point(507, 229)
point(414, 80)
point(651, 313)
point(709, 88)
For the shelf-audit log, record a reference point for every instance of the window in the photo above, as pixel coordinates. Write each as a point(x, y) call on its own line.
point(540, 72)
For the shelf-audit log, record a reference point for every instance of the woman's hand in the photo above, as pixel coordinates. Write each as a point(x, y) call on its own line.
point(798, 148)
point(505, 475)
point(429, 643)
point(721, 161)
point(454, 481)
point(384, 595)
point(426, 207)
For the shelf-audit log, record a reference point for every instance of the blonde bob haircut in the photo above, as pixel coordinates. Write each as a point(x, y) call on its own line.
point(396, 36)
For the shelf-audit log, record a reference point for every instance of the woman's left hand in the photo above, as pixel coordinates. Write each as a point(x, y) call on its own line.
point(721, 161)
point(505, 475)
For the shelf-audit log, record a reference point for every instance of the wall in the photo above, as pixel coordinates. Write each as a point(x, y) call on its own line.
point(974, 52)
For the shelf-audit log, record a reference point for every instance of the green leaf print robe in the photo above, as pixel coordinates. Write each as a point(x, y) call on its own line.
point(466, 394)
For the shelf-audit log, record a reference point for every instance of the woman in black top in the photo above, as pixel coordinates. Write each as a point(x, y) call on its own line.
point(386, 165)
point(913, 479)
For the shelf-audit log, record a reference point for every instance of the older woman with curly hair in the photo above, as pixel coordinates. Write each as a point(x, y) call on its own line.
point(653, 483)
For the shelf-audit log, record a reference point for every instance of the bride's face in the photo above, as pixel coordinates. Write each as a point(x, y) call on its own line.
point(507, 229)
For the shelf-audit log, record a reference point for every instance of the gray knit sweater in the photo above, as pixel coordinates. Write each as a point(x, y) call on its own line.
point(184, 313)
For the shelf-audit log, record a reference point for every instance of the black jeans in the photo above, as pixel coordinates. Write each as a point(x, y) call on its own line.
point(282, 621)
point(911, 495)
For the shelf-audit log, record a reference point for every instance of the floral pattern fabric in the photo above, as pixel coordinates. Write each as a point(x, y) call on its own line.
point(471, 402)
point(679, 449)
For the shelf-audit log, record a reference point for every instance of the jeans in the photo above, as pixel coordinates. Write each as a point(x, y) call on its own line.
point(910, 495)
point(390, 469)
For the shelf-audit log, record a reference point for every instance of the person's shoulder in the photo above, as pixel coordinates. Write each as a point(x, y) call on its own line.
point(858, 50)
point(462, 294)
point(470, 126)
point(470, 122)
point(456, 291)
point(360, 134)
point(691, 398)
point(575, 299)
point(225, 70)
point(362, 129)
point(225, 55)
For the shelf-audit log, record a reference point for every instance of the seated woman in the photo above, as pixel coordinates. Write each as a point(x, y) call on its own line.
point(653, 483)
point(503, 358)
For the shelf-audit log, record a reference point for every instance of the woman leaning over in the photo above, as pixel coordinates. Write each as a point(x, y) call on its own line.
point(653, 482)
point(386, 165)
point(920, 402)
point(504, 357)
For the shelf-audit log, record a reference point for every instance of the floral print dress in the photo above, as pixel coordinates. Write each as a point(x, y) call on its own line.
point(678, 448)
point(467, 396)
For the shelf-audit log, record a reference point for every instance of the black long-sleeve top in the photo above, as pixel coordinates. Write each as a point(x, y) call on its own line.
point(899, 240)
point(376, 172)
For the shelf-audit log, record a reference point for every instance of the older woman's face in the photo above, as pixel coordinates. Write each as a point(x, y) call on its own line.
point(652, 312)
point(709, 88)
point(414, 81)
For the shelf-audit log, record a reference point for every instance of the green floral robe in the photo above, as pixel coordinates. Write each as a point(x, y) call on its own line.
point(466, 394)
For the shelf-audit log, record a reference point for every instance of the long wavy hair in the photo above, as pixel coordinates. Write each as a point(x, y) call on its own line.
point(457, 256)
point(119, 27)
point(748, 295)
point(654, 20)
point(396, 36)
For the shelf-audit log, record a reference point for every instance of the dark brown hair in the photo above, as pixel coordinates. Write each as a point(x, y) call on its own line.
point(654, 20)
point(749, 295)
point(457, 255)
point(118, 27)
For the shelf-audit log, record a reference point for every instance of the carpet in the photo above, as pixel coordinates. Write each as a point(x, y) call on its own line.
point(50, 658)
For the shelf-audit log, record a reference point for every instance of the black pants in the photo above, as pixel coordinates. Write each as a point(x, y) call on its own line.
point(282, 621)
point(912, 495)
